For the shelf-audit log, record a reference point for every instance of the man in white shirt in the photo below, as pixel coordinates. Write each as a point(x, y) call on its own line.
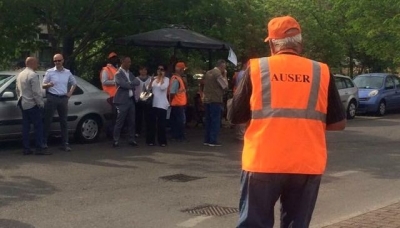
point(124, 101)
point(56, 81)
point(30, 100)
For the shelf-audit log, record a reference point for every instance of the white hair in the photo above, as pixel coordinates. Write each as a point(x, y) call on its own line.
point(287, 43)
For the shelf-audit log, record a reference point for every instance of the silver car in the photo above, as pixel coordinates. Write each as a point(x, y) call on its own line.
point(88, 111)
point(348, 94)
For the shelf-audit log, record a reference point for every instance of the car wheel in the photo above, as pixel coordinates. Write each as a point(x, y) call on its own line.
point(88, 129)
point(381, 108)
point(351, 109)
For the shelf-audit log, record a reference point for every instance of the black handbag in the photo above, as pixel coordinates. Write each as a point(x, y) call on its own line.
point(146, 96)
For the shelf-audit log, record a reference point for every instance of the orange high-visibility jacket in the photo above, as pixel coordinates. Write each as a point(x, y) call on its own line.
point(289, 103)
point(111, 71)
point(180, 98)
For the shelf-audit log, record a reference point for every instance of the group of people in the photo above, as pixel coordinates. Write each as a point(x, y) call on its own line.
point(30, 100)
point(168, 98)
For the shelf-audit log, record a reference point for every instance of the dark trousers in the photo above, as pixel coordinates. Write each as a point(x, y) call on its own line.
point(32, 116)
point(142, 112)
point(177, 119)
point(213, 122)
point(60, 104)
point(156, 126)
point(125, 112)
point(259, 192)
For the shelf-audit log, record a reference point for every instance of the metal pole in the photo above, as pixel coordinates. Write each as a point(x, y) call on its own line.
point(209, 59)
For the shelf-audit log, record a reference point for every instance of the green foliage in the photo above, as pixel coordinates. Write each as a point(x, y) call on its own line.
point(337, 32)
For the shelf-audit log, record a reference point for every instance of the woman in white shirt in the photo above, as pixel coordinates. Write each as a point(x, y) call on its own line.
point(158, 115)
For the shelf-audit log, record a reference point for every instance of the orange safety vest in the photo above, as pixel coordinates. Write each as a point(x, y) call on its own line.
point(180, 98)
point(111, 71)
point(289, 103)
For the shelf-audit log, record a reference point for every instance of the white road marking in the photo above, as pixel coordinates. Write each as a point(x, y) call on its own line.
point(343, 173)
point(193, 221)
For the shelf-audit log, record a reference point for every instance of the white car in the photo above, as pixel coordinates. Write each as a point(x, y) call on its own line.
point(348, 92)
point(88, 110)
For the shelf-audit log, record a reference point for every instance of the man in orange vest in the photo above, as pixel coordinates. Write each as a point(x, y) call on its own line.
point(107, 75)
point(178, 100)
point(290, 102)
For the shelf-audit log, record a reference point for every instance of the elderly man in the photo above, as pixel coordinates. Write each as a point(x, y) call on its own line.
point(215, 82)
point(124, 101)
point(290, 102)
point(30, 100)
point(56, 82)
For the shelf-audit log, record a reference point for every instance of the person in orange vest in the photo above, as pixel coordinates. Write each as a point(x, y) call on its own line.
point(290, 102)
point(178, 100)
point(107, 75)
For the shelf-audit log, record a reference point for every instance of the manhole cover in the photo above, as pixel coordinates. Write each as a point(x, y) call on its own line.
point(180, 178)
point(211, 210)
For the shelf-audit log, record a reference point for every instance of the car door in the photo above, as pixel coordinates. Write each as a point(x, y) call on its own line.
point(341, 86)
point(351, 89)
point(389, 92)
point(397, 92)
point(10, 113)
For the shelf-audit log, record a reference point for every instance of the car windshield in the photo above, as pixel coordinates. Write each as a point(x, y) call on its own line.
point(369, 82)
point(4, 78)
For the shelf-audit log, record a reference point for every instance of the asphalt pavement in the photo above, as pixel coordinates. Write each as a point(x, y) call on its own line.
point(188, 184)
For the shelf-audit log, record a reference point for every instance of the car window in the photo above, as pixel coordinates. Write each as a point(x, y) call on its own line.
point(396, 82)
point(349, 83)
point(4, 78)
point(369, 82)
point(340, 84)
point(389, 83)
point(77, 91)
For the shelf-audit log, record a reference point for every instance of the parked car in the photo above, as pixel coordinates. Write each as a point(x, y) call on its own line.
point(88, 110)
point(378, 93)
point(348, 94)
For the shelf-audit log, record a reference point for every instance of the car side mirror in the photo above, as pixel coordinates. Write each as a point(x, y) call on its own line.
point(7, 95)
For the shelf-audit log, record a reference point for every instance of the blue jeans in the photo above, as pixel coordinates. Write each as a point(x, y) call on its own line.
point(177, 119)
point(260, 191)
point(32, 116)
point(213, 122)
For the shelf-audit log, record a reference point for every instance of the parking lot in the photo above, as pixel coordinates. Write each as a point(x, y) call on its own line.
point(98, 186)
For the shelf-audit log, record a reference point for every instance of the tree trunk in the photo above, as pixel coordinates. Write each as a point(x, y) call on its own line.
point(68, 49)
point(351, 63)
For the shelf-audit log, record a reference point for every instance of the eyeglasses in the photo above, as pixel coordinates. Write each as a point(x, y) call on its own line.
point(58, 61)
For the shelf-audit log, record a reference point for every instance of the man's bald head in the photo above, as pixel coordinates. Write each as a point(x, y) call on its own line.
point(58, 60)
point(31, 62)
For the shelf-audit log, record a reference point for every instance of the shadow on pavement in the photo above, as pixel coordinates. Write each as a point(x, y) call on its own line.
point(22, 188)
point(8, 223)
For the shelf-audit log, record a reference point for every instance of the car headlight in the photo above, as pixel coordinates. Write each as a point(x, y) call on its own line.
point(373, 93)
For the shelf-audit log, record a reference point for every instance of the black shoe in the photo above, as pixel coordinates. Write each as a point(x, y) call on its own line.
point(27, 152)
point(133, 143)
point(42, 152)
point(150, 144)
point(115, 144)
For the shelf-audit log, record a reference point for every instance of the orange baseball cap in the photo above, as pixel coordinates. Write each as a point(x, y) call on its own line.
point(278, 27)
point(112, 54)
point(180, 65)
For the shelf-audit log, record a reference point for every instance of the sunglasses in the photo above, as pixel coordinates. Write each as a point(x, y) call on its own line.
point(58, 61)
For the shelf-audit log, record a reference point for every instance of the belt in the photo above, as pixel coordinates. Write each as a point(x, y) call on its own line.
point(55, 95)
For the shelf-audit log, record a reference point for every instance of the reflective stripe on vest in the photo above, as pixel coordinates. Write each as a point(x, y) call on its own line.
point(111, 71)
point(267, 111)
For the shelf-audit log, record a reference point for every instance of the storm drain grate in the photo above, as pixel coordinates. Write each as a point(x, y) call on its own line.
point(180, 178)
point(211, 210)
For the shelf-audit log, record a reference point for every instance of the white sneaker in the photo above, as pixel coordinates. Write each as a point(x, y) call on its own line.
point(214, 144)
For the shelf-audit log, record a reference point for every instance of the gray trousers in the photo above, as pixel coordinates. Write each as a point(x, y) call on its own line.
point(125, 111)
point(60, 104)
